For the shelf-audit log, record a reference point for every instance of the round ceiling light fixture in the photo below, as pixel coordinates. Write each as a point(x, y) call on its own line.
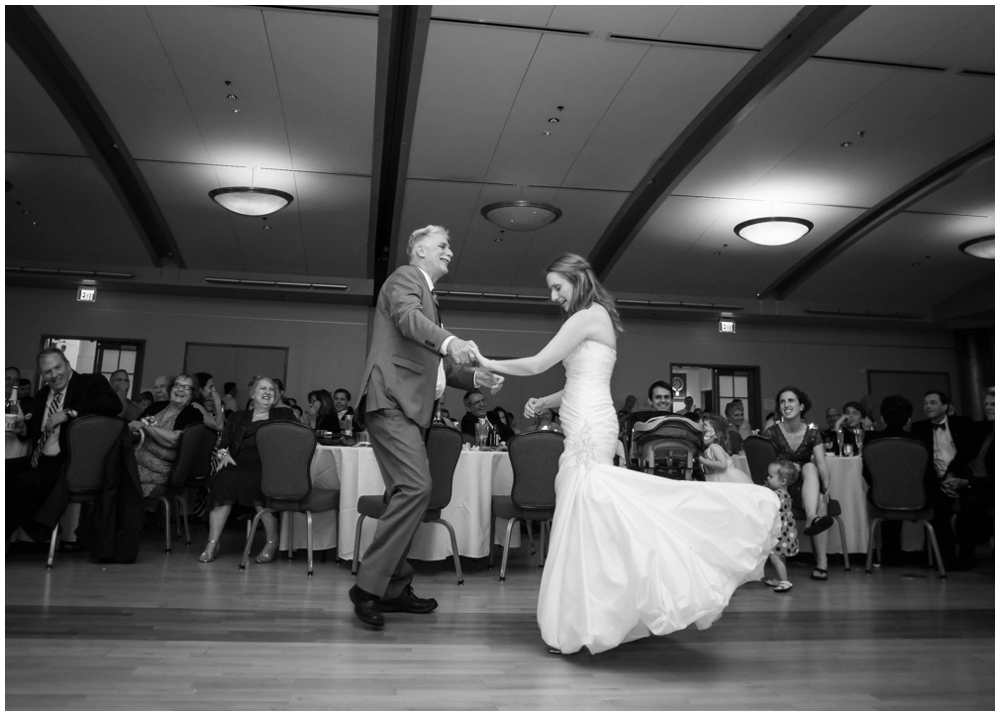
point(521, 215)
point(773, 230)
point(982, 248)
point(251, 201)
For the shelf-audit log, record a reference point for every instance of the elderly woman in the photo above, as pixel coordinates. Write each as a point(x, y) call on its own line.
point(159, 429)
point(237, 481)
point(800, 443)
point(320, 409)
point(739, 427)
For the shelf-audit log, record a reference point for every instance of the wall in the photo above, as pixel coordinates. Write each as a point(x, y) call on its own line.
point(327, 343)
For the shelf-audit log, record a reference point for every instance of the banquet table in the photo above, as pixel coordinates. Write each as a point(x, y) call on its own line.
point(354, 471)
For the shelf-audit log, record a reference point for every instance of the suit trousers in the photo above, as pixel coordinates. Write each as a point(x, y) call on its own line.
point(33, 493)
point(401, 454)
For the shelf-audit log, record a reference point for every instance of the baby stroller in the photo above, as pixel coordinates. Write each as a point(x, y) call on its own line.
point(667, 445)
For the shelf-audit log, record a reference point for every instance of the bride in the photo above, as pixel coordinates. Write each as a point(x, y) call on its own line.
point(631, 554)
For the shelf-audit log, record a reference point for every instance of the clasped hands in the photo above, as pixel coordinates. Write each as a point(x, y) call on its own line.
point(467, 353)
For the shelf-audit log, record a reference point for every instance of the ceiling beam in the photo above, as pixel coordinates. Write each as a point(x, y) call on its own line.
point(806, 34)
point(892, 206)
point(402, 39)
point(32, 40)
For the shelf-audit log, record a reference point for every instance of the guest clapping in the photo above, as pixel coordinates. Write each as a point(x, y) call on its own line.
point(238, 480)
point(159, 429)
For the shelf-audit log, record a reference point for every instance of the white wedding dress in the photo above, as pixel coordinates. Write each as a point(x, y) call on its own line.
point(633, 554)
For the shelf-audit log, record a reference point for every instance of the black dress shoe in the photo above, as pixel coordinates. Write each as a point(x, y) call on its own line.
point(366, 607)
point(410, 603)
point(73, 547)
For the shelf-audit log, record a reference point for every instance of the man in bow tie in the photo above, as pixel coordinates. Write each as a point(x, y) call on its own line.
point(411, 359)
point(946, 438)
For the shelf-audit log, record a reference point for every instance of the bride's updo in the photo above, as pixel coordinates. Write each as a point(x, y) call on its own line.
point(587, 290)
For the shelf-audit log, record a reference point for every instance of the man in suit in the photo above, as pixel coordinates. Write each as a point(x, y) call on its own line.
point(342, 406)
point(947, 438)
point(475, 406)
point(411, 359)
point(36, 492)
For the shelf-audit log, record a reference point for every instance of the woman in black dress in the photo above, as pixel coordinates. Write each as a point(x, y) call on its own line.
point(237, 481)
point(801, 443)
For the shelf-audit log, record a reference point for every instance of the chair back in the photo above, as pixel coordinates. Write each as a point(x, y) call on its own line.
point(194, 454)
point(90, 441)
point(286, 451)
point(534, 458)
point(760, 453)
point(897, 467)
point(444, 447)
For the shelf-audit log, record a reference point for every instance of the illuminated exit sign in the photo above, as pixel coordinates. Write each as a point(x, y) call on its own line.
point(86, 293)
point(727, 325)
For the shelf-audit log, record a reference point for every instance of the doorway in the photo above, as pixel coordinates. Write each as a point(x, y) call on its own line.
point(101, 355)
point(712, 387)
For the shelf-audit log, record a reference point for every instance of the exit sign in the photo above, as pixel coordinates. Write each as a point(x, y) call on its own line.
point(86, 293)
point(727, 325)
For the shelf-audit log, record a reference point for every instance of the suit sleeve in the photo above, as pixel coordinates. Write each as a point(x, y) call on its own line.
point(98, 398)
point(406, 309)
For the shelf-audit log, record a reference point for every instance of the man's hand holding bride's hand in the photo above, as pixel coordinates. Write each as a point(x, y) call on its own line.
point(534, 407)
point(463, 352)
point(485, 379)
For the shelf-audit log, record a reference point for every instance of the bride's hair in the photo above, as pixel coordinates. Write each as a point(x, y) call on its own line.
point(587, 290)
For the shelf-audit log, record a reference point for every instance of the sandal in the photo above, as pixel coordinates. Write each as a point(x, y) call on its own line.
point(818, 574)
point(819, 524)
point(209, 554)
point(265, 556)
point(771, 582)
point(783, 586)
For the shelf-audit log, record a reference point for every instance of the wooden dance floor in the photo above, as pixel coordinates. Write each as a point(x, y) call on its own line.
point(170, 633)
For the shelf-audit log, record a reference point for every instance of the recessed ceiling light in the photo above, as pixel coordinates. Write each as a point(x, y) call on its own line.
point(231, 97)
point(236, 111)
point(845, 145)
point(266, 227)
point(553, 120)
point(547, 134)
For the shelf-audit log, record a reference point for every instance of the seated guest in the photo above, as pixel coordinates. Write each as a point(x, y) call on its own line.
point(120, 384)
point(628, 407)
point(16, 442)
point(24, 389)
point(209, 403)
point(499, 416)
point(145, 400)
point(896, 412)
point(229, 403)
point(12, 382)
point(736, 415)
point(443, 417)
point(547, 420)
point(159, 430)
point(342, 406)
point(161, 387)
point(948, 439)
point(660, 397)
point(475, 405)
point(976, 487)
point(320, 414)
point(279, 384)
point(854, 417)
point(237, 481)
point(37, 494)
point(689, 404)
point(831, 440)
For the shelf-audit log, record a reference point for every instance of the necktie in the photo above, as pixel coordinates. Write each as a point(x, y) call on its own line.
point(50, 409)
point(437, 307)
point(939, 426)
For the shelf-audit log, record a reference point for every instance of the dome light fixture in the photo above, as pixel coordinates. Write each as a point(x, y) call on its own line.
point(773, 230)
point(982, 248)
point(521, 215)
point(251, 201)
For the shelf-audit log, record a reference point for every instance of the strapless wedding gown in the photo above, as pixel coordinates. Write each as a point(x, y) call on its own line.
point(633, 554)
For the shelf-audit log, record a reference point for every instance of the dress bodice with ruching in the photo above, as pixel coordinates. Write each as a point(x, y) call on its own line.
point(587, 413)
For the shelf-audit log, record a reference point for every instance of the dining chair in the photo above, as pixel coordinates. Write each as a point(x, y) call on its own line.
point(897, 467)
point(534, 459)
point(90, 441)
point(760, 453)
point(444, 447)
point(192, 462)
point(286, 451)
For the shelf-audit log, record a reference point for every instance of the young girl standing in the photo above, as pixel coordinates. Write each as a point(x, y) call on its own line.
point(780, 475)
point(715, 458)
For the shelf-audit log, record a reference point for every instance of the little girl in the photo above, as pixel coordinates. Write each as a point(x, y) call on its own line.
point(715, 458)
point(781, 474)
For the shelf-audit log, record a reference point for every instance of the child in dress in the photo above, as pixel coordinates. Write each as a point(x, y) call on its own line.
point(715, 459)
point(781, 474)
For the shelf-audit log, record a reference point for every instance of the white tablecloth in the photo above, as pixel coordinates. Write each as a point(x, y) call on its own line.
point(354, 471)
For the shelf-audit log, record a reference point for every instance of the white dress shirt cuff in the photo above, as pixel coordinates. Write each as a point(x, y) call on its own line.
point(444, 346)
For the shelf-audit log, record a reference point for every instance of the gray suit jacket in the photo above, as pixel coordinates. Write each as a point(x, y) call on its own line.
point(402, 366)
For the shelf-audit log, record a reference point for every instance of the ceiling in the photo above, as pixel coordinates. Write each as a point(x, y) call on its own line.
point(675, 123)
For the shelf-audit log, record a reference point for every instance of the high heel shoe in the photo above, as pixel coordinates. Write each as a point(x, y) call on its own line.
point(210, 552)
point(265, 556)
